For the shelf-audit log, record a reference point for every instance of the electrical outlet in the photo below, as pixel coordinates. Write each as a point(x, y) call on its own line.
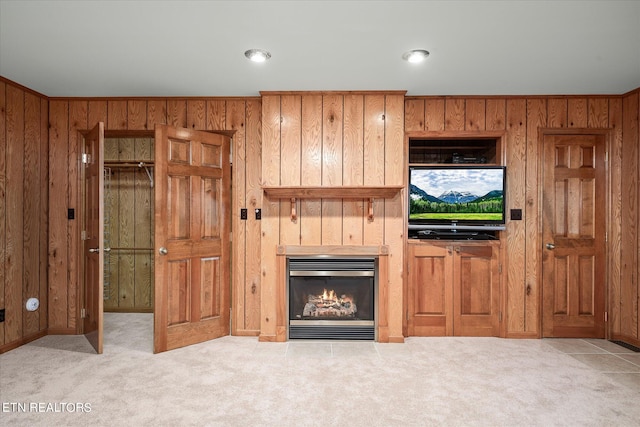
point(258, 214)
point(243, 214)
point(71, 213)
point(516, 214)
point(2, 315)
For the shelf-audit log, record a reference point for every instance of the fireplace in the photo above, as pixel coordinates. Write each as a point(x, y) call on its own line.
point(332, 297)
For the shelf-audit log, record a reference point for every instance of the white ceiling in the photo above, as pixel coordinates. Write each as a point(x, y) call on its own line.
point(196, 48)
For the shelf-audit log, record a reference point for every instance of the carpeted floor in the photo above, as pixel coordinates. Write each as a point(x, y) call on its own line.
point(237, 381)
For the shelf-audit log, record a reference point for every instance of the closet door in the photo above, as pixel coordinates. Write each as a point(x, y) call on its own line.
point(191, 237)
point(93, 239)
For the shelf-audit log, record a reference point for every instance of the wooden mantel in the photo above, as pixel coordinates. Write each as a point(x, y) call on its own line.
point(335, 192)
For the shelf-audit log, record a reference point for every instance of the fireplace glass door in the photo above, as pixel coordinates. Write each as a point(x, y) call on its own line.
point(332, 298)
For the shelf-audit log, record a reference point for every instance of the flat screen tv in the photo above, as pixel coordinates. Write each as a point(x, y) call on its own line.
point(457, 197)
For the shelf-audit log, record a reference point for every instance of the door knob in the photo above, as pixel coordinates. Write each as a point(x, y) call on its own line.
point(163, 251)
point(94, 250)
point(551, 246)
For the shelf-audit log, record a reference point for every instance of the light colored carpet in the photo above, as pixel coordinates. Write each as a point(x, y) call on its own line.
point(237, 381)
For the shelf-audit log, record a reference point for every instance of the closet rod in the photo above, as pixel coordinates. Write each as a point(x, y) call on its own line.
point(132, 249)
point(125, 164)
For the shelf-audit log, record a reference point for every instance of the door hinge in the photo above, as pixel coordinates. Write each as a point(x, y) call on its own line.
point(499, 316)
point(86, 158)
point(83, 235)
point(606, 316)
point(83, 313)
point(500, 268)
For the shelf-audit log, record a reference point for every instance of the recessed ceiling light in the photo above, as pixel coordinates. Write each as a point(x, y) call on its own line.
point(257, 55)
point(415, 55)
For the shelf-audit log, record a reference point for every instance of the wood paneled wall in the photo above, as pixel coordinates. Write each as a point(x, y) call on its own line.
point(23, 213)
point(68, 116)
point(627, 296)
point(521, 118)
point(128, 222)
point(332, 139)
point(311, 139)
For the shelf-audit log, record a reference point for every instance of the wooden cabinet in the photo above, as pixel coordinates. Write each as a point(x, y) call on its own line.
point(453, 288)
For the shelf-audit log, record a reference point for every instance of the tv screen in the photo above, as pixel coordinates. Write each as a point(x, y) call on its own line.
point(465, 197)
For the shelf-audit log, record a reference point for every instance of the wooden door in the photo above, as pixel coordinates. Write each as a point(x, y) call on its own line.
point(430, 298)
point(93, 235)
point(476, 290)
point(192, 237)
point(573, 261)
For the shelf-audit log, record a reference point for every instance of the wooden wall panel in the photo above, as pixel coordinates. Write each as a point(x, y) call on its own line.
point(630, 217)
point(143, 228)
point(235, 116)
point(78, 111)
point(97, 113)
point(32, 229)
point(394, 232)
point(177, 112)
point(216, 115)
point(252, 285)
point(271, 119)
point(156, 113)
point(3, 194)
point(434, 114)
point(116, 114)
point(557, 112)
point(311, 169)
point(454, 114)
point(536, 118)
point(136, 114)
point(290, 152)
point(23, 201)
point(615, 120)
point(196, 114)
point(43, 260)
point(332, 169)
point(496, 114)
point(414, 115)
point(516, 176)
point(15, 240)
point(353, 158)
point(58, 198)
point(373, 164)
point(475, 114)
point(577, 114)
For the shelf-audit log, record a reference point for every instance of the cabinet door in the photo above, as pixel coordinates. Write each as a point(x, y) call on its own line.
point(430, 290)
point(476, 290)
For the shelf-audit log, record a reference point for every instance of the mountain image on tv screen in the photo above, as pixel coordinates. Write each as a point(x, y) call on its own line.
point(457, 194)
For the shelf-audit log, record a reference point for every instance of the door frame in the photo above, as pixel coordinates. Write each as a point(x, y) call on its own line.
point(607, 134)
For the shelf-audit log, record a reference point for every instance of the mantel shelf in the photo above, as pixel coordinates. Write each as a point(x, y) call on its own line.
point(336, 192)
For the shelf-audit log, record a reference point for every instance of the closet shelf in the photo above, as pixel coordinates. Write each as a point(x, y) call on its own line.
point(336, 192)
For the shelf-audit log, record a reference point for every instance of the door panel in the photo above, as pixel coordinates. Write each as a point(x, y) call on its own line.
point(430, 290)
point(476, 292)
point(93, 244)
point(192, 231)
point(574, 236)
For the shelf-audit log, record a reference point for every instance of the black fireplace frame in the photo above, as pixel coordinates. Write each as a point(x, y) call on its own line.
point(340, 266)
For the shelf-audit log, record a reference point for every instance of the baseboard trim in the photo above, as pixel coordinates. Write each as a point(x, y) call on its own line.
point(22, 341)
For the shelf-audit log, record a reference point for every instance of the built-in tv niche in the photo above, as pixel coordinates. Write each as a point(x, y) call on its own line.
point(457, 188)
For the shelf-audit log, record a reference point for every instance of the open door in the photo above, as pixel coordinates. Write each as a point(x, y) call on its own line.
point(93, 235)
point(191, 237)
